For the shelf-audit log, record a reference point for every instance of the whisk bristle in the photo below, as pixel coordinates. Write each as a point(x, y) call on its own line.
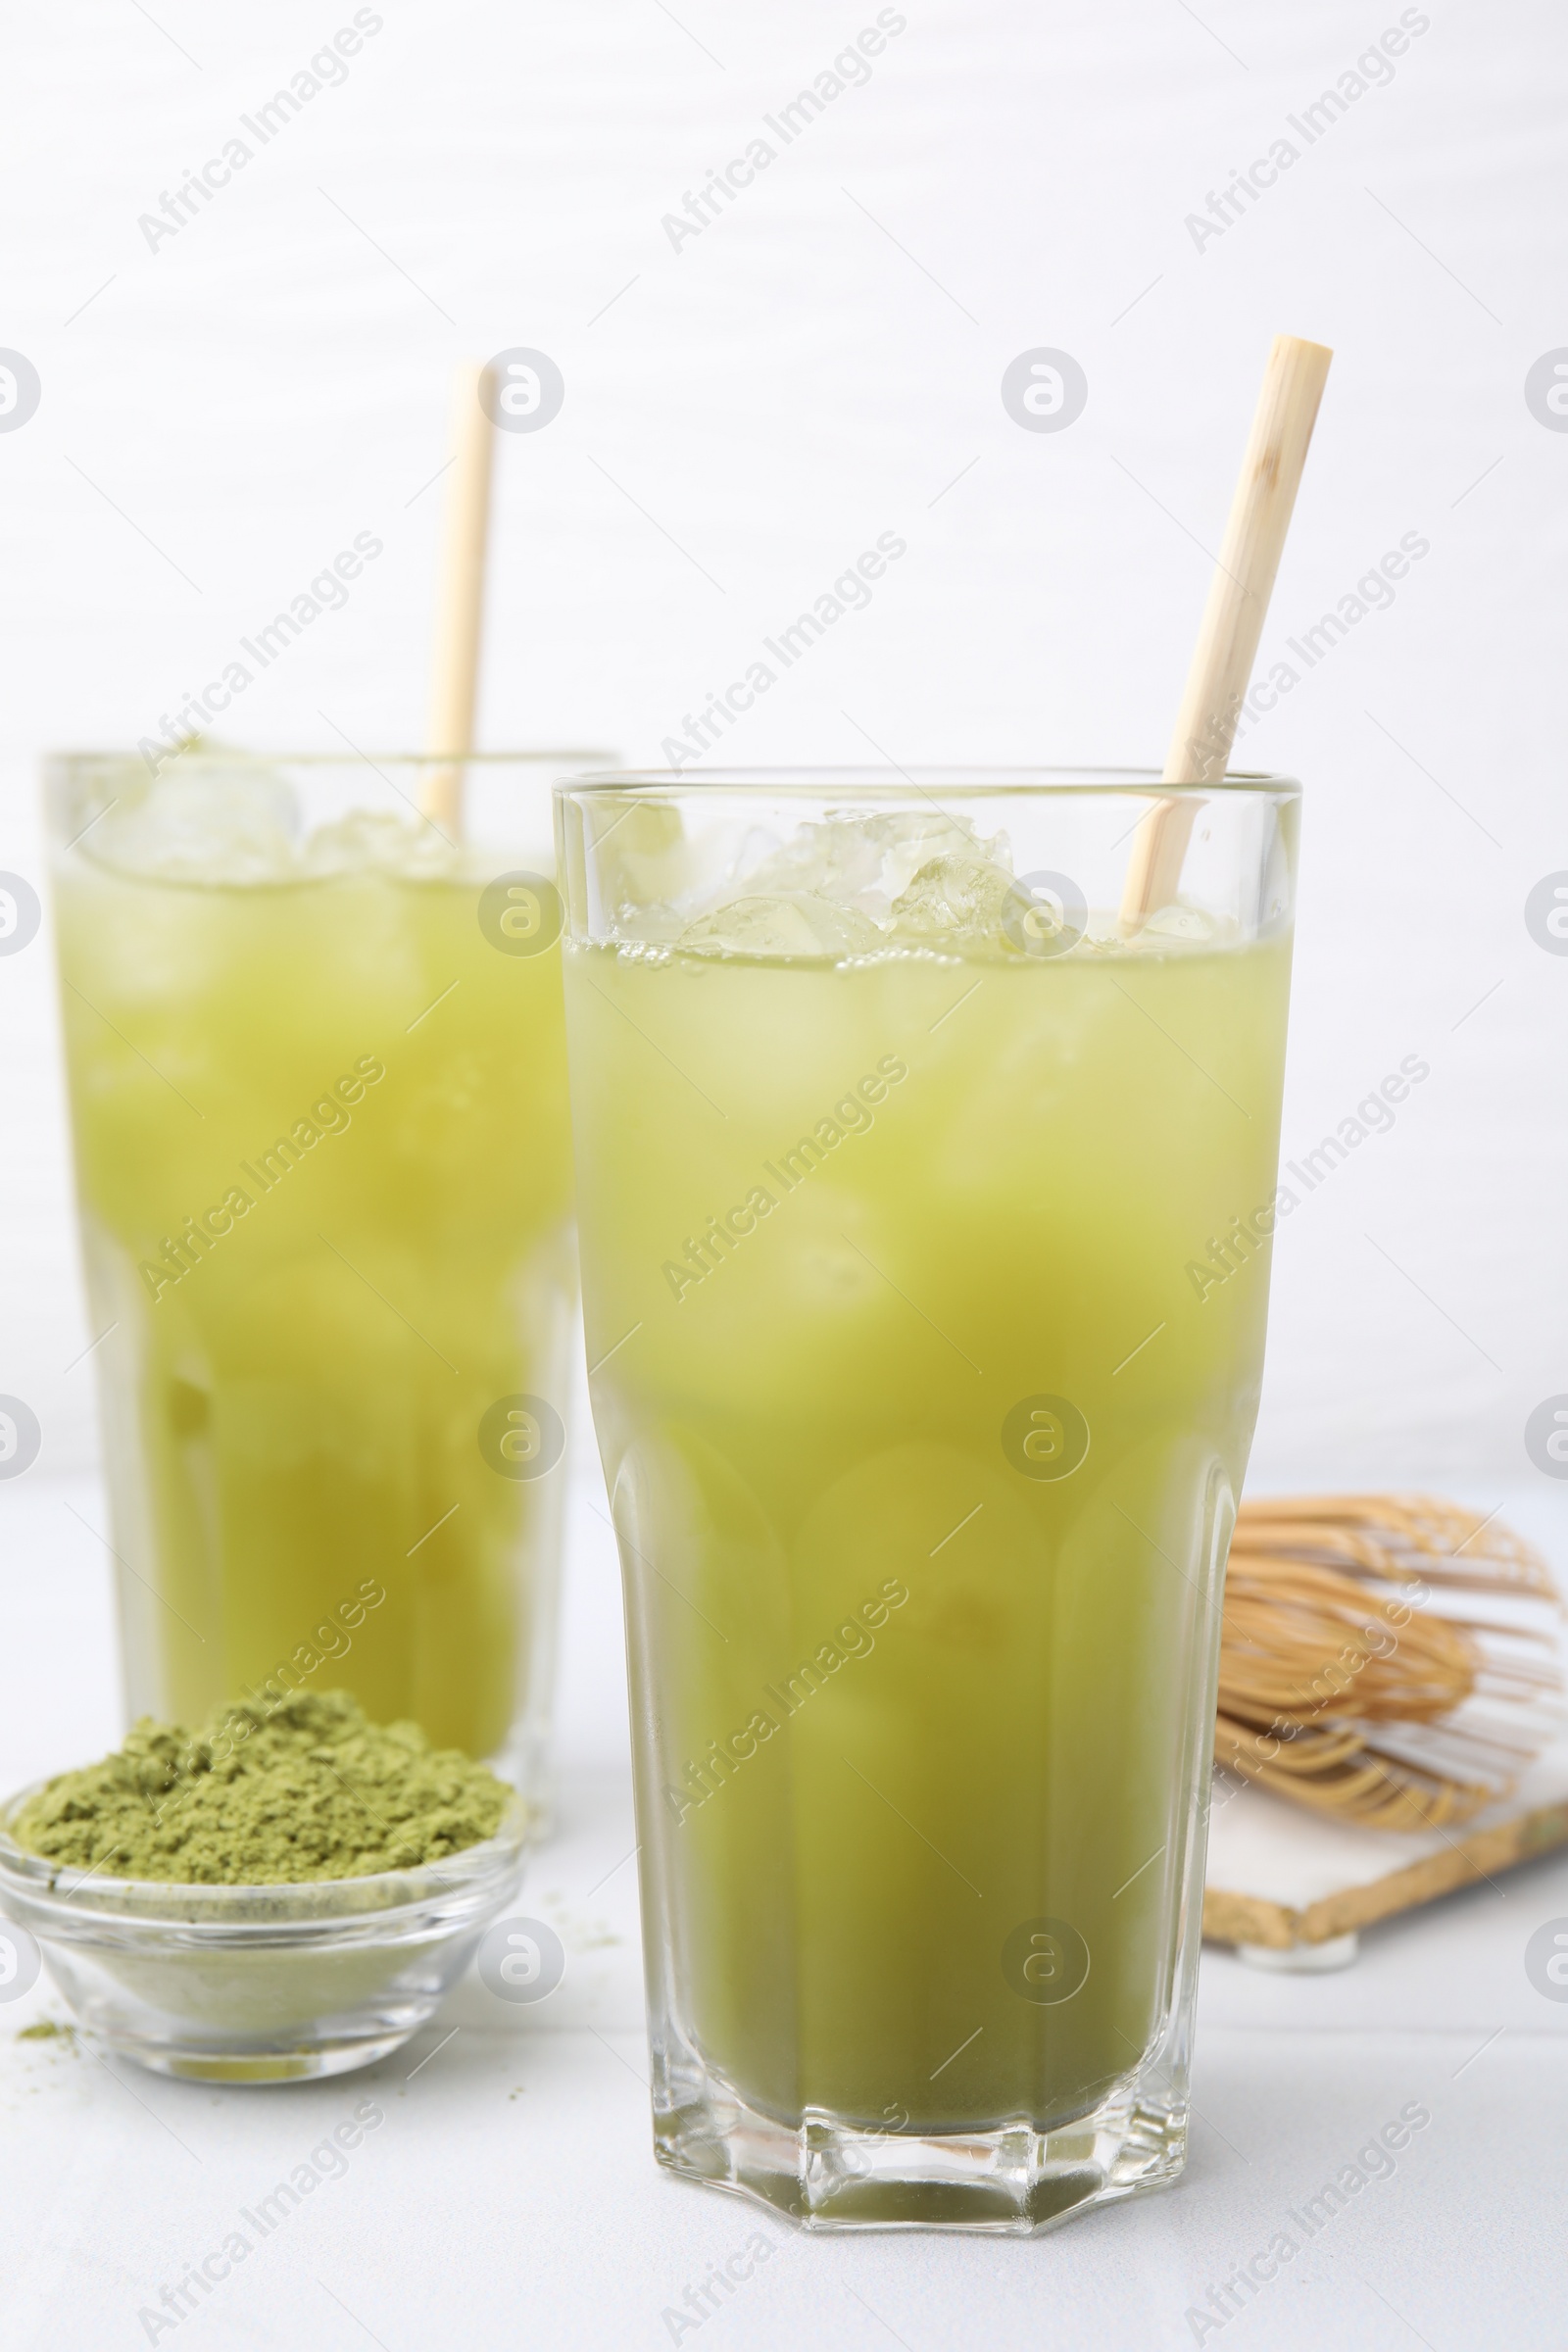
point(1342, 1687)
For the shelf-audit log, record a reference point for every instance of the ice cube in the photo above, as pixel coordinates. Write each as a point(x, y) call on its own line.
point(791, 923)
point(207, 824)
point(1180, 926)
point(843, 887)
point(865, 860)
point(954, 901)
point(383, 842)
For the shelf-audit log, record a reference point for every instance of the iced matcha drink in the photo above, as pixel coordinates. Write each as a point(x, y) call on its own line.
point(317, 1086)
point(922, 1441)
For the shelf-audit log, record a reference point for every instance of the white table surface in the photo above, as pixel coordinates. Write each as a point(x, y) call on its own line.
point(510, 2199)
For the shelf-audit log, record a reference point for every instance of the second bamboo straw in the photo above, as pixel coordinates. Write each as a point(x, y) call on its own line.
point(459, 599)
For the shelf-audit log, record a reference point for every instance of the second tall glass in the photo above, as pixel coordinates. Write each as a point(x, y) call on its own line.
point(319, 1090)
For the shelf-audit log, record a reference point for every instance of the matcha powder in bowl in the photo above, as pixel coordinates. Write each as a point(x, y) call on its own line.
point(266, 1797)
point(287, 1891)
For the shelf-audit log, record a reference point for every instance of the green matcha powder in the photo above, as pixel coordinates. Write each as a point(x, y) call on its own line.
point(266, 1796)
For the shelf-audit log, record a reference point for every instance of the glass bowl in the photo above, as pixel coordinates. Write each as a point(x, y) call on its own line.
point(260, 1984)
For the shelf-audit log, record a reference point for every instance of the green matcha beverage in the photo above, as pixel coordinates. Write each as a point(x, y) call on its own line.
point(318, 1083)
point(904, 1162)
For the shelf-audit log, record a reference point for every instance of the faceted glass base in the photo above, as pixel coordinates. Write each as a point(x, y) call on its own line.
point(1011, 2180)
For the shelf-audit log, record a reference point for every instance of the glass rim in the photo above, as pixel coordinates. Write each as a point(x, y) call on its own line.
point(551, 754)
point(960, 783)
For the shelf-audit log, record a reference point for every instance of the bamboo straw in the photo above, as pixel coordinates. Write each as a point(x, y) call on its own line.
point(459, 599)
point(1233, 618)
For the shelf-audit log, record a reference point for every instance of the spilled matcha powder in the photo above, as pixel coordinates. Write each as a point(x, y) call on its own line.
point(309, 1789)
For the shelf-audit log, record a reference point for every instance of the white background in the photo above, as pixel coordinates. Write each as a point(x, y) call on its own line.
point(742, 417)
point(774, 395)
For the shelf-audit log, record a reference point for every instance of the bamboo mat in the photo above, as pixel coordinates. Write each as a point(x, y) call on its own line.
point(1282, 1878)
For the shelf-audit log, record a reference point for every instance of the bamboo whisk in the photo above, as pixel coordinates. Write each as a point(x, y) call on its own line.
point(1340, 1688)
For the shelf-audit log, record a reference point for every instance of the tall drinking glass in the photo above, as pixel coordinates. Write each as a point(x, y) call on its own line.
point(317, 1084)
point(901, 1169)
